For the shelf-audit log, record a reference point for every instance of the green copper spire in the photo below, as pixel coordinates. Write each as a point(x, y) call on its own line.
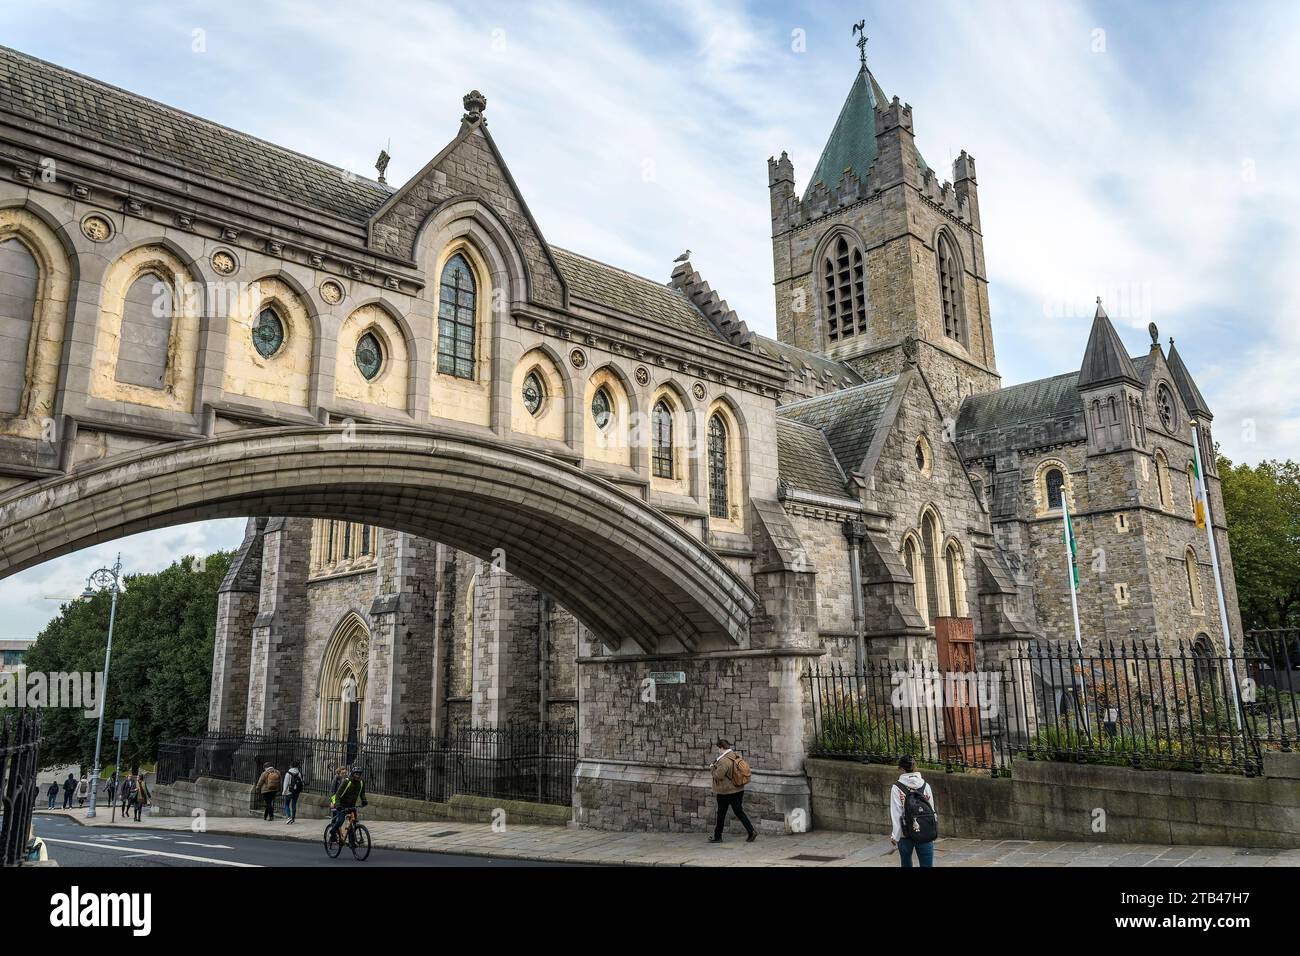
point(852, 144)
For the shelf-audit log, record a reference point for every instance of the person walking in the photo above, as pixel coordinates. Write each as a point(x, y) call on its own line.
point(268, 785)
point(123, 792)
point(53, 793)
point(128, 806)
point(110, 788)
point(141, 796)
point(914, 820)
point(293, 785)
point(730, 774)
point(83, 790)
point(69, 788)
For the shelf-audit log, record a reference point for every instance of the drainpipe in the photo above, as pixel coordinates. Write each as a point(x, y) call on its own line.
point(854, 532)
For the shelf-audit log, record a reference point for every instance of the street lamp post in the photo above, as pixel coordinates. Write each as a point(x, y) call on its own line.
point(103, 578)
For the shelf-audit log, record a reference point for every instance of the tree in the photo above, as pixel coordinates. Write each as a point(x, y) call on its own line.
point(161, 668)
point(1262, 507)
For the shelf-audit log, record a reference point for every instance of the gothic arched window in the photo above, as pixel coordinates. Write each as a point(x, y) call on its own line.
point(930, 543)
point(1162, 481)
point(912, 558)
point(1054, 481)
point(146, 332)
point(456, 312)
point(719, 503)
point(950, 287)
point(21, 276)
point(956, 591)
point(268, 333)
point(844, 291)
point(662, 427)
point(1193, 579)
point(534, 392)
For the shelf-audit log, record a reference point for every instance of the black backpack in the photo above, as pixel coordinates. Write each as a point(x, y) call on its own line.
point(295, 782)
point(920, 825)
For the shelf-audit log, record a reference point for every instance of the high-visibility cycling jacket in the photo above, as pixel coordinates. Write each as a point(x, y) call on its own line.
point(349, 792)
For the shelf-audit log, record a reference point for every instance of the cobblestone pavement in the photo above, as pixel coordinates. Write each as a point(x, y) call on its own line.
point(821, 848)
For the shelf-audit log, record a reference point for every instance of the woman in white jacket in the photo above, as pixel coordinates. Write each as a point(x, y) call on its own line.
point(912, 780)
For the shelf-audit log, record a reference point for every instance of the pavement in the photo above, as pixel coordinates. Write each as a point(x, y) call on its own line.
point(574, 844)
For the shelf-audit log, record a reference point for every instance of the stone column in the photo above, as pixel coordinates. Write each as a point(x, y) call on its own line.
point(237, 602)
point(506, 668)
point(275, 674)
point(400, 684)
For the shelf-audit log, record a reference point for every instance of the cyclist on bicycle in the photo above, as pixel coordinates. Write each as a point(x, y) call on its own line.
point(345, 799)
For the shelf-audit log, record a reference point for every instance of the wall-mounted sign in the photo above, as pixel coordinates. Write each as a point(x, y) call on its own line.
point(668, 677)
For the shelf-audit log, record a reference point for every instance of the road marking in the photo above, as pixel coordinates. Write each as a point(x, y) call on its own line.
point(210, 846)
point(139, 852)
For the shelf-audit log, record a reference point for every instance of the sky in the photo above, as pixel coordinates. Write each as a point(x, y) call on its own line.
point(1143, 152)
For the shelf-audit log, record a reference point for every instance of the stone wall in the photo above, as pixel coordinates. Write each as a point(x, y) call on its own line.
point(646, 746)
point(1045, 800)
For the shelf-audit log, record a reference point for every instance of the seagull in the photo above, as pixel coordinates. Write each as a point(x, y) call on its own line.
point(685, 256)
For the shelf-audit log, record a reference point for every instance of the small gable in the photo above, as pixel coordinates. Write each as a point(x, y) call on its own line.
point(469, 167)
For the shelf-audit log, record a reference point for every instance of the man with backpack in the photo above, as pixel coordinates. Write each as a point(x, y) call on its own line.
point(730, 774)
point(268, 785)
point(292, 788)
point(912, 813)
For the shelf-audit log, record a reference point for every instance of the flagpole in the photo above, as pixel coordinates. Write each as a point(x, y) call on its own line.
point(1214, 563)
point(1069, 569)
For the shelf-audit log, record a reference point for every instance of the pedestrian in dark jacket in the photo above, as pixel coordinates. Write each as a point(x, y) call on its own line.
point(126, 792)
point(69, 788)
point(53, 793)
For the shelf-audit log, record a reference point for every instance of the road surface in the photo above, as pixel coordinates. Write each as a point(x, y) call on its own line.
point(72, 844)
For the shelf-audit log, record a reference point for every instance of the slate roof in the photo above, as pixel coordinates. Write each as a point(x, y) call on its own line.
point(1105, 359)
point(852, 143)
point(805, 459)
point(848, 418)
point(1044, 398)
point(1191, 395)
point(798, 359)
point(94, 111)
point(627, 292)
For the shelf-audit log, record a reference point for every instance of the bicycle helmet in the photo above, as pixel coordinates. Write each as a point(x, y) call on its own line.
point(357, 770)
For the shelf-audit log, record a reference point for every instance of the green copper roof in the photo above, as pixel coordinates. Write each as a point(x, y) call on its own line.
point(853, 140)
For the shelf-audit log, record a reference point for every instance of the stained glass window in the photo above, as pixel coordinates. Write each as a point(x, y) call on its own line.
point(719, 505)
point(370, 356)
point(268, 333)
point(663, 440)
point(533, 393)
point(456, 311)
point(602, 411)
point(1165, 406)
point(1055, 483)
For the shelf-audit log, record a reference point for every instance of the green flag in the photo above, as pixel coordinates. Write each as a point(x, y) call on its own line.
point(1071, 545)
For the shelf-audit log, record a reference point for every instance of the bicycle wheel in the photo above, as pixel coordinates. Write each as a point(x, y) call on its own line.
point(360, 841)
point(332, 845)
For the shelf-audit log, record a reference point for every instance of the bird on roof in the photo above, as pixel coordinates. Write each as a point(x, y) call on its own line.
point(684, 256)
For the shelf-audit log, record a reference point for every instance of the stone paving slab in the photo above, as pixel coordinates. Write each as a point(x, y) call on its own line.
point(829, 848)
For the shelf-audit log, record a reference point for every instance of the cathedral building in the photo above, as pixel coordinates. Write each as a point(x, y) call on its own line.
point(861, 488)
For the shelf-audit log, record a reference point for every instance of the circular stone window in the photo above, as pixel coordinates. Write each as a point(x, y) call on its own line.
point(268, 333)
point(370, 356)
point(1165, 407)
point(534, 393)
point(602, 412)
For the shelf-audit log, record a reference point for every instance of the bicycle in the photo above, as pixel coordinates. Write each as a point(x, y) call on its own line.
point(358, 839)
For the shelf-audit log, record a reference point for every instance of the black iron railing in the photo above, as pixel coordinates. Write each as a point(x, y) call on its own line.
point(1124, 703)
point(510, 763)
point(20, 737)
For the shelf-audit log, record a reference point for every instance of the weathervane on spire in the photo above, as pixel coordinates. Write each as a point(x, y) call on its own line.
point(860, 31)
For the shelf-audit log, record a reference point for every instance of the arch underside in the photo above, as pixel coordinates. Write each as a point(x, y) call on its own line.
point(623, 569)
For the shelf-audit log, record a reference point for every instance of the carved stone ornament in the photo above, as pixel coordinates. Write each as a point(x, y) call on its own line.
point(223, 262)
point(578, 358)
point(699, 391)
point(331, 292)
point(96, 228)
point(642, 375)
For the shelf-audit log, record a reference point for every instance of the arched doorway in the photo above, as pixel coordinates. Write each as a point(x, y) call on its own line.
point(341, 688)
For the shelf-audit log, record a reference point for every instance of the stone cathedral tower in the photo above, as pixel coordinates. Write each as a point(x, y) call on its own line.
point(877, 260)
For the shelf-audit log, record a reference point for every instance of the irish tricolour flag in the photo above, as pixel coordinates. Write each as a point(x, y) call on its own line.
point(1199, 491)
